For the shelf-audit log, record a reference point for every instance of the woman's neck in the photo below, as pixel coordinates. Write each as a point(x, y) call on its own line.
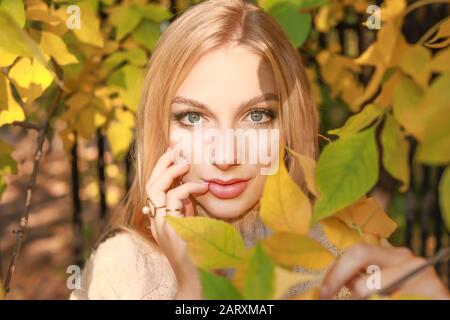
point(248, 224)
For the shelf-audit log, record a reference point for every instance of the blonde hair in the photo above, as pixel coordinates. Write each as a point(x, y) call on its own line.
point(201, 29)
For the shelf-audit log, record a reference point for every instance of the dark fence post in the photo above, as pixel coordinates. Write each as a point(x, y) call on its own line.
point(76, 216)
point(101, 174)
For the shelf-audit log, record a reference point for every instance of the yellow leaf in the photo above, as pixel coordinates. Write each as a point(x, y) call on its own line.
point(290, 250)
point(55, 47)
point(6, 58)
point(119, 137)
point(15, 41)
point(384, 99)
point(395, 152)
point(16, 9)
point(414, 62)
point(443, 33)
point(308, 166)
point(284, 206)
point(339, 234)
point(286, 279)
point(89, 31)
point(367, 216)
point(392, 9)
point(383, 54)
point(31, 78)
point(88, 120)
point(38, 10)
point(441, 61)
point(10, 110)
point(328, 17)
point(211, 243)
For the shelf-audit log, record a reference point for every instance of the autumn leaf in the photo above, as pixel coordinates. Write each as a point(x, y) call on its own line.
point(283, 206)
point(286, 279)
point(119, 137)
point(367, 217)
point(30, 78)
point(10, 110)
point(89, 31)
point(16, 9)
point(444, 196)
point(211, 243)
point(54, 46)
point(442, 38)
point(395, 152)
point(308, 166)
point(290, 250)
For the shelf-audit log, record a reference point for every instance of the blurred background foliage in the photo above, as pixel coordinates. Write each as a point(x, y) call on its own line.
point(81, 86)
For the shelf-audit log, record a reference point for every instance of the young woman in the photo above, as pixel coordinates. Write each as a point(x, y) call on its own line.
point(224, 64)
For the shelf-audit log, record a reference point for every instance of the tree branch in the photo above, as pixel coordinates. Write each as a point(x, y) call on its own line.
point(26, 125)
point(20, 233)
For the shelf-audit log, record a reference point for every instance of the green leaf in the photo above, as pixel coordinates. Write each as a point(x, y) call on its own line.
point(147, 34)
point(395, 152)
point(259, 278)
point(155, 12)
point(125, 19)
point(217, 287)
point(300, 4)
point(444, 196)
point(358, 121)
point(211, 243)
point(7, 164)
point(297, 25)
point(346, 170)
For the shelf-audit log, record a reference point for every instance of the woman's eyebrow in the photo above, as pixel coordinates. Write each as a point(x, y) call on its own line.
point(246, 104)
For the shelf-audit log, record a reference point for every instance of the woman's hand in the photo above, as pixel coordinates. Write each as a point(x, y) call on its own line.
point(175, 249)
point(393, 263)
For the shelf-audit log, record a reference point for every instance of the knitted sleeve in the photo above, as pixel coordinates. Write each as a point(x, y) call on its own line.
point(126, 266)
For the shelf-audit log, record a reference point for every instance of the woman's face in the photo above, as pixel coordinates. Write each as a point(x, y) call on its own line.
point(230, 92)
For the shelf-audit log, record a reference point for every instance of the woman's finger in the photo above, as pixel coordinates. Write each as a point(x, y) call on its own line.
point(162, 164)
point(175, 197)
point(165, 180)
point(354, 260)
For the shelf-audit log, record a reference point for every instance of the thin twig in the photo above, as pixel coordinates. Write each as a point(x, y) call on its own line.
point(440, 256)
point(20, 233)
point(26, 125)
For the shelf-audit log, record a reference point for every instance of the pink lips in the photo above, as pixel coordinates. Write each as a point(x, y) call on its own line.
point(227, 189)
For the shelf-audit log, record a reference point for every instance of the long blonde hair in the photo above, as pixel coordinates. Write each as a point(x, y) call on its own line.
point(201, 29)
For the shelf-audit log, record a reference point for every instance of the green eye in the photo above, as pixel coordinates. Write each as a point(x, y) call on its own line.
point(193, 117)
point(256, 116)
point(260, 116)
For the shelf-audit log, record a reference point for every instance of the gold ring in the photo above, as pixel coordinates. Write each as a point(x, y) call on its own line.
point(173, 210)
point(150, 207)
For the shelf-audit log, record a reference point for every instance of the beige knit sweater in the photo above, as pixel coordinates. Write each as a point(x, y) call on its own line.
point(127, 266)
